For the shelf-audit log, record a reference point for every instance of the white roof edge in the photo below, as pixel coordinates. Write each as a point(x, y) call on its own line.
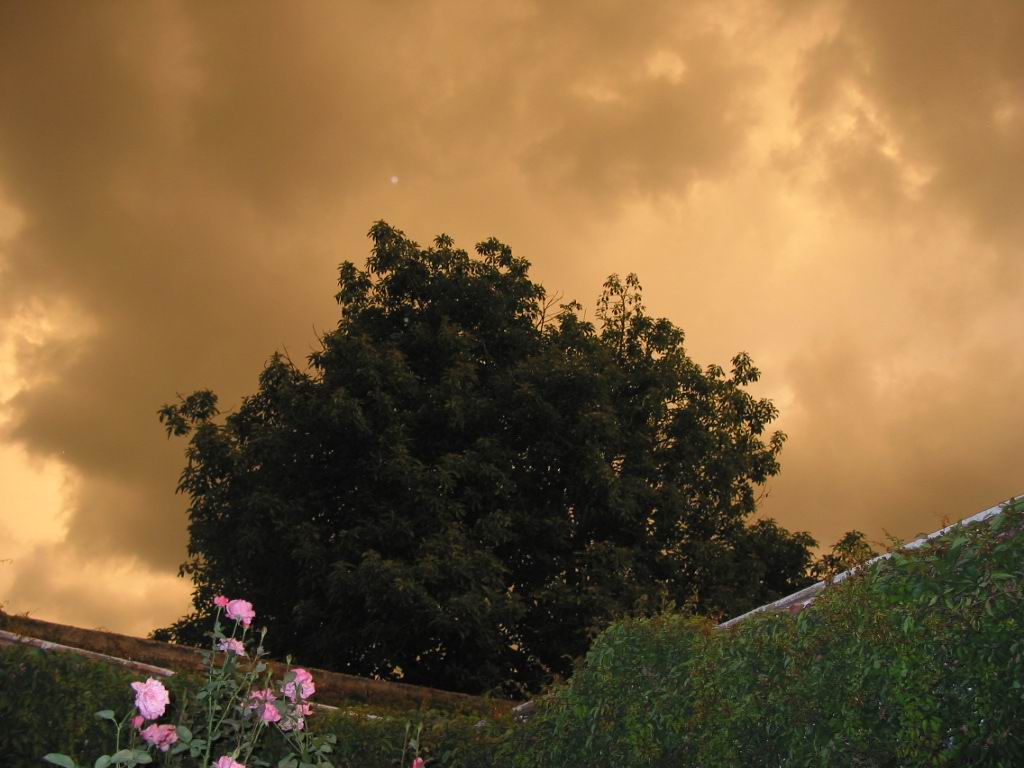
point(807, 594)
point(11, 638)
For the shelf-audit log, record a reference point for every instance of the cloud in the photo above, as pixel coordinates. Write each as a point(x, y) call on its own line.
point(936, 91)
point(44, 571)
point(909, 445)
point(176, 173)
point(119, 595)
point(830, 186)
point(663, 107)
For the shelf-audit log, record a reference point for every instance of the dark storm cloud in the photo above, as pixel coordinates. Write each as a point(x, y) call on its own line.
point(903, 457)
point(938, 87)
point(910, 119)
point(190, 174)
point(122, 223)
point(663, 106)
point(122, 596)
point(176, 164)
point(294, 103)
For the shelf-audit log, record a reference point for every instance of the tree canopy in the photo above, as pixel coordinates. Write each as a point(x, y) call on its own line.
point(467, 482)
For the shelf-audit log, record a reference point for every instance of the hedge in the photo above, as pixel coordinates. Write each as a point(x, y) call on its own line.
point(915, 661)
point(48, 701)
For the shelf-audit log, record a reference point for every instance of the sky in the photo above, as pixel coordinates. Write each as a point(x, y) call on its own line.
point(833, 187)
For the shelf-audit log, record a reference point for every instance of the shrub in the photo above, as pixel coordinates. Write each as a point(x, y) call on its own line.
point(915, 661)
point(367, 740)
point(230, 718)
point(49, 699)
point(628, 705)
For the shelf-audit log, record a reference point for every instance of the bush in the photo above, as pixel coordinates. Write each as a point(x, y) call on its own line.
point(368, 740)
point(916, 661)
point(49, 699)
point(236, 712)
point(628, 704)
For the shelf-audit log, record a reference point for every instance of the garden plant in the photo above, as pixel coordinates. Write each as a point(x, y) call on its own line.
point(225, 722)
point(913, 661)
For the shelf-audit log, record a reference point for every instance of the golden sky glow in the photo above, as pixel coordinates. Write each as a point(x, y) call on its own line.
point(834, 187)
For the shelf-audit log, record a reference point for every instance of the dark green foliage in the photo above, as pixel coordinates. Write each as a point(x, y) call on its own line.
point(629, 704)
point(463, 488)
point(68, 689)
point(48, 703)
point(917, 662)
point(850, 551)
point(363, 742)
point(449, 739)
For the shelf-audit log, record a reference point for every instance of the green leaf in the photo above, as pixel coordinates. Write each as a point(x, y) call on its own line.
point(62, 760)
point(106, 714)
point(131, 757)
point(184, 734)
point(102, 761)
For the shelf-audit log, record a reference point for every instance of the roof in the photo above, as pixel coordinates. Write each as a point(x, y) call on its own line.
point(806, 596)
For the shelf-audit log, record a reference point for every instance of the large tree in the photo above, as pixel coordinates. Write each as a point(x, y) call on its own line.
point(466, 482)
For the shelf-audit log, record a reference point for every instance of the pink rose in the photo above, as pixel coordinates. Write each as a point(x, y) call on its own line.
point(417, 763)
point(240, 610)
point(304, 681)
point(220, 601)
point(259, 696)
point(137, 722)
point(227, 762)
point(161, 736)
point(151, 698)
point(232, 645)
point(264, 701)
